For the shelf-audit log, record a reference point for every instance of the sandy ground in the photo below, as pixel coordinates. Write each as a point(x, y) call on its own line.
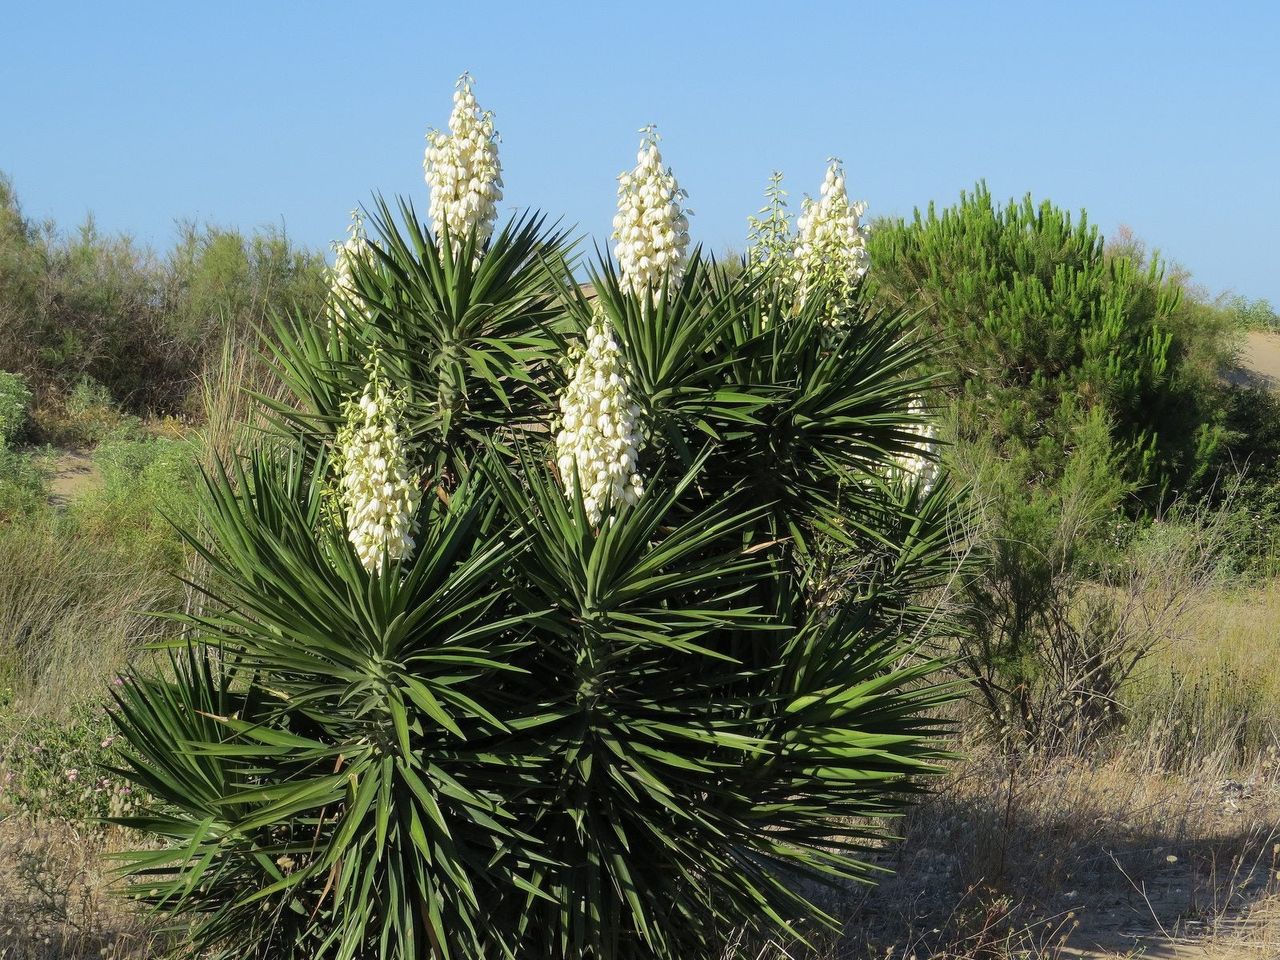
point(1259, 361)
point(72, 473)
point(1079, 859)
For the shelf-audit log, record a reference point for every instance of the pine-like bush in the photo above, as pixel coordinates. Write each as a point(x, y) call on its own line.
point(1045, 328)
point(540, 730)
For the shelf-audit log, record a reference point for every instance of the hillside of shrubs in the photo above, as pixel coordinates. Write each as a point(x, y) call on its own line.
point(476, 597)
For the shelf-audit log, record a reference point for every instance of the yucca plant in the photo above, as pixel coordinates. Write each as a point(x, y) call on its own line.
point(655, 658)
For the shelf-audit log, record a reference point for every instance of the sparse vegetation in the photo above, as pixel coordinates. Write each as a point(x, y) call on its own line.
point(96, 323)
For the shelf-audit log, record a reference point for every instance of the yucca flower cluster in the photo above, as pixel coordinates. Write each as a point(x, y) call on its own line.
point(651, 226)
point(831, 242)
point(378, 493)
point(463, 170)
point(345, 255)
point(600, 426)
point(921, 463)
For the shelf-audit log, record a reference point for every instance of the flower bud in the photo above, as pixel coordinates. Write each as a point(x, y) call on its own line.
point(345, 256)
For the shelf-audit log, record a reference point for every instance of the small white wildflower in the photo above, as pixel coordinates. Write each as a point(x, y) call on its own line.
point(463, 170)
point(651, 226)
point(379, 496)
point(831, 242)
point(920, 463)
point(600, 426)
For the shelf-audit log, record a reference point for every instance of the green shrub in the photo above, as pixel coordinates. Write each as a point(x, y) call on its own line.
point(1031, 670)
point(15, 402)
point(86, 416)
point(22, 490)
point(1044, 328)
point(89, 305)
point(1251, 314)
point(535, 736)
point(88, 398)
point(146, 484)
point(1084, 396)
point(1249, 478)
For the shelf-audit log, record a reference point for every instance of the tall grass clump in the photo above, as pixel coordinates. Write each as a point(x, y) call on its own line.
point(516, 638)
point(76, 580)
point(72, 612)
point(22, 491)
point(1211, 688)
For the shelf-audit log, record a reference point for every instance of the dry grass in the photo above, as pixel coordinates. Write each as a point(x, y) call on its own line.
point(55, 897)
point(1217, 681)
point(1075, 857)
point(70, 614)
point(1256, 935)
point(1033, 858)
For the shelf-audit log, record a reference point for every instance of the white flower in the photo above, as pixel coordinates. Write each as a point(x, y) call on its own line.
point(378, 494)
point(345, 256)
point(651, 227)
point(920, 463)
point(463, 170)
point(600, 426)
point(831, 245)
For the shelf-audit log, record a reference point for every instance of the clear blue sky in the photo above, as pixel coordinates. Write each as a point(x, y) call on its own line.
point(1163, 116)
